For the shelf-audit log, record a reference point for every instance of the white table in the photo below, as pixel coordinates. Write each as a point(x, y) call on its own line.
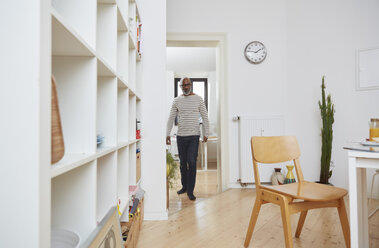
point(204, 151)
point(360, 158)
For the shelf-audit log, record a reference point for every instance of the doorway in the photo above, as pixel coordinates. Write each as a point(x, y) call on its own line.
point(217, 42)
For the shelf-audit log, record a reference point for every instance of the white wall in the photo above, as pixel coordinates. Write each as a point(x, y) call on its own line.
point(253, 89)
point(322, 40)
point(191, 59)
point(212, 103)
point(305, 40)
point(170, 97)
point(25, 123)
point(153, 119)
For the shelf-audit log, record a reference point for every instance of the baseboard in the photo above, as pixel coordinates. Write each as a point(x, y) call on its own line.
point(237, 185)
point(156, 215)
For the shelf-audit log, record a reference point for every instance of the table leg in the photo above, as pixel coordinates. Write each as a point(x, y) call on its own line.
point(353, 202)
point(362, 207)
point(206, 155)
point(202, 154)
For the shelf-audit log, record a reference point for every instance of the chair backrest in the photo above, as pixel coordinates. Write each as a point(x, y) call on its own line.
point(275, 149)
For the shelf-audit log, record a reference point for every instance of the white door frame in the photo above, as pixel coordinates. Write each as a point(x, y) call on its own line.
point(219, 41)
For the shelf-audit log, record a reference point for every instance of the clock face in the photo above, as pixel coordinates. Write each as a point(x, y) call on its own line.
point(255, 52)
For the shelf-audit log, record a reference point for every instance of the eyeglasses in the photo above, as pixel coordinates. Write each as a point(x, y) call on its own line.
point(185, 85)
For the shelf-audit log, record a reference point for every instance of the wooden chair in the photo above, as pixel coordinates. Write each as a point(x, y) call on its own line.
point(309, 195)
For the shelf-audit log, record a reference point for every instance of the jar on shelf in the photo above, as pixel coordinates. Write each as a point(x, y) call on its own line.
point(277, 177)
point(374, 128)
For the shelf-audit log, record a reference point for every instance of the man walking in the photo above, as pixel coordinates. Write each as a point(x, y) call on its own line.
point(189, 107)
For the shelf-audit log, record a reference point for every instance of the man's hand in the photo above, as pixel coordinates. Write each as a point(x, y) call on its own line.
point(168, 140)
point(205, 138)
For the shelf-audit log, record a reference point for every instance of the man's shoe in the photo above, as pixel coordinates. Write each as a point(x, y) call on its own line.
point(182, 191)
point(191, 197)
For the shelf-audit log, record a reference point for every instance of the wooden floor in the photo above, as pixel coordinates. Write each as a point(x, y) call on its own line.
point(206, 187)
point(221, 220)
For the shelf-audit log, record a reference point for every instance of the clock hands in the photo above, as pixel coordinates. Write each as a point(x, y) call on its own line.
point(256, 51)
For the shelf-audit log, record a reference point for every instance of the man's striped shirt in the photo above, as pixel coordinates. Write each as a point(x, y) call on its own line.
point(189, 109)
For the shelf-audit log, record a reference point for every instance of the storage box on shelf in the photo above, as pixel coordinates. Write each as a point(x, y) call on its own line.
point(94, 63)
point(131, 229)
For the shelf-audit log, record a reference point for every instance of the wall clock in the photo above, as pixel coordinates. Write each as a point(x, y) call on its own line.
point(255, 52)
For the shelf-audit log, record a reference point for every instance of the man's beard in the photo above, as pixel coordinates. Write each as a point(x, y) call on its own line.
point(186, 92)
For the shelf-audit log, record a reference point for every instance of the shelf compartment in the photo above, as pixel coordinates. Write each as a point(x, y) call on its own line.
point(122, 54)
point(123, 8)
point(73, 200)
point(121, 83)
point(132, 92)
point(123, 144)
point(76, 88)
point(106, 184)
point(80, 15)
point(70, 162)
point(132, 21)
point(138, 117)
point(132, 69)
point(138, 86)
point(102, 151)
point(132, 117)
point(106, 117)
point(106, 35)
point(132, 41)
point(66, 41)
point(132, 164)
point(122, 114)
point(121, 20)
point(104, 70)
point(123, 178)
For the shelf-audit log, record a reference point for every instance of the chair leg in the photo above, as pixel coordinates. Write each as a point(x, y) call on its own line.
point(344, 222)
point(300, 224)
point(286, 222)
point(253, 220)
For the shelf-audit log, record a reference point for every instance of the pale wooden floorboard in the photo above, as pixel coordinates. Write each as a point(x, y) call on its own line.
point(221, 220)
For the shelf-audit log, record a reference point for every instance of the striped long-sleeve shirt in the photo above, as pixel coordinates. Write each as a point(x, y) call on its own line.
point(188, 109)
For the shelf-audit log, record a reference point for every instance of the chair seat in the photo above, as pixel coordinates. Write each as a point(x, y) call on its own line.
point(308, 191)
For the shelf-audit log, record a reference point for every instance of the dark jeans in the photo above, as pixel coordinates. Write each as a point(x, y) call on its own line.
point(187, 148)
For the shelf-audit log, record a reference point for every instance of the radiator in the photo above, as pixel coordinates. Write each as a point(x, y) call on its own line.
point(256, 126)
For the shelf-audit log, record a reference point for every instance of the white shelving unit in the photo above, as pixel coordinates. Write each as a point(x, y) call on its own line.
point(94, 62)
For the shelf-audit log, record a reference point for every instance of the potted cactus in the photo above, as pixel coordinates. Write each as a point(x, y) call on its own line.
point(327, 117)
